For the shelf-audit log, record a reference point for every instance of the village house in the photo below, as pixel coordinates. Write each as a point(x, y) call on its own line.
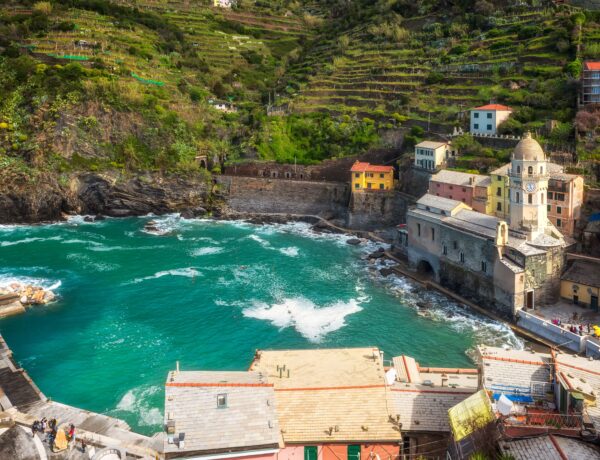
point(590, 83)
point(366, 176)
point(321, 404)
point(221, 415)
point(432, 155)
point(486, 119)
point(565, 199)
point(422, 397)
point(509, 265)
point(471, 189)
point(224, 3)
point(580, 283)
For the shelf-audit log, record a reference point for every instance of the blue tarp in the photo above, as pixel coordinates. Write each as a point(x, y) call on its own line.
point(594, 217)
point(515, 398)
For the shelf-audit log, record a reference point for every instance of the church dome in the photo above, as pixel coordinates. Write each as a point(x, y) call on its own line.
point(528, 149)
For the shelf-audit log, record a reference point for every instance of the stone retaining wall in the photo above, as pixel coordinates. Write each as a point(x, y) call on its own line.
point(551, 332)
point(263, 195)
point(372, 210)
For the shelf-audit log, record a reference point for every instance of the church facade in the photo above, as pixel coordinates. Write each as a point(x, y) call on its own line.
point(504, 265)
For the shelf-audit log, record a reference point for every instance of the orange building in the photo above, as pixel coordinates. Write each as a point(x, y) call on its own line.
point(565, 198)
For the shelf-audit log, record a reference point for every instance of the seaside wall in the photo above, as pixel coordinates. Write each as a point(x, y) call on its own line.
point(551, 332)
point(370, 210)
point(264, 195)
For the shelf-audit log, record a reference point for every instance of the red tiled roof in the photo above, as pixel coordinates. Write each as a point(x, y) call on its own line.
point(368, 167)
point(592, 66)
point(493, 107)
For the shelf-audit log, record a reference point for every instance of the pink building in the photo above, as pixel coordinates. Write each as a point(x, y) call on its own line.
point(565, 198)
point(471, 189)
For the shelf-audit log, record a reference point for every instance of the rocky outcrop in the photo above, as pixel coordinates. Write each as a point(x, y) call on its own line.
point(140, 195)
point(107, 194)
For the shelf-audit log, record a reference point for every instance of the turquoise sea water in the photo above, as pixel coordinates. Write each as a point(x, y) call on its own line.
point(207, 294)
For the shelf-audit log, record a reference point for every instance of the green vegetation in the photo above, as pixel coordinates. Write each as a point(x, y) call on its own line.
point(118, 84)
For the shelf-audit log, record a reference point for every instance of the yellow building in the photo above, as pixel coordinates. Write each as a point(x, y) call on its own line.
point(366, 176)
point(499, 192)
point(581, 283)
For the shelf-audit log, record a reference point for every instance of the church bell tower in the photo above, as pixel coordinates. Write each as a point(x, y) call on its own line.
point(528, 188)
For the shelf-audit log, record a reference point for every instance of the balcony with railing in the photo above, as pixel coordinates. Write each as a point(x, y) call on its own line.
point(533, 411)
point(533, 176)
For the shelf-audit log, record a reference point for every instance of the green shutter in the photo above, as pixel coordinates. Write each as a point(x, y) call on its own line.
point(310, 453)
point(353, 452)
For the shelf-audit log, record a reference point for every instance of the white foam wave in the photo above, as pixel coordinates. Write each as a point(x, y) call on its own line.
point(207, 251)
point(136, 401)
point(188, 272)
point(49, 285)
point(76, 241)
point(311, 321)
point(292, 251)
point(437, 307)
point(29, 240)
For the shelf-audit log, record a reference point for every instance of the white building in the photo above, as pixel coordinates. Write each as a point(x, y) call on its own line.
point(223, 3)
point(487, 118)
point(431, 155)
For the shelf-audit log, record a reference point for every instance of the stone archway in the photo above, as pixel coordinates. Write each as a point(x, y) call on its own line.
point(424, 268)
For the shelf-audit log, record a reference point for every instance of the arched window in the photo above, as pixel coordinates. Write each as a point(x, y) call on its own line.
point(541, 170)
point(530, 198)
point(518, 170)
point(518, 198)
point(530, 170)
point(542, 197)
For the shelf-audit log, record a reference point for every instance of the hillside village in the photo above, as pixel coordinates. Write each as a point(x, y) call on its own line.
point(469, 149)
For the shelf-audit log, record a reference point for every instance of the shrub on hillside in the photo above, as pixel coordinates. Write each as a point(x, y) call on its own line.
point(528, 32)
point(434, 78)
point(459, 49)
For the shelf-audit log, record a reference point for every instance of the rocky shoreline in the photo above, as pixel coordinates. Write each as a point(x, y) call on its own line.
point(17, 297)
point(111, 194)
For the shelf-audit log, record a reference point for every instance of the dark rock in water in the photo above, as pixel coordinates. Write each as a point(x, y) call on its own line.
point(380, 250)
point(423, 305)
point(376, 255)
point(353, 241)
point(89, 219)
point(386, 271)
point(199, 211)
point(99, 217)
point(187, 214)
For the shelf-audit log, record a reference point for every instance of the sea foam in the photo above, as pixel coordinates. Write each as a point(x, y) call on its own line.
point(188, 272)
point(311, 321)
point(136, 401)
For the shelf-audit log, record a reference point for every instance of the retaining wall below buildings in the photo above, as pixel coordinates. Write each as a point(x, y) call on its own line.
point(263, 195)
point(370, 210)
point(551, 332)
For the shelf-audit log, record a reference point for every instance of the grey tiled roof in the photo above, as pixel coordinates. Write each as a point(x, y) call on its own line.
point(247, 422)
point(447, 176)
point(544, 448)
point(513, 368)
point(583, 272)
point(438, 202)
point(431, 144)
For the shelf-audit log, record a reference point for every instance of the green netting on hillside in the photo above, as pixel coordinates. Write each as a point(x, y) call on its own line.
point(146, 81)
point(69, 56)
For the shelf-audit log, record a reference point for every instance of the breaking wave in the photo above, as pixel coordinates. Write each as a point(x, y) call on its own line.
point(135, 401)
point(189, 272)
point(207, 251)
point(311, 321)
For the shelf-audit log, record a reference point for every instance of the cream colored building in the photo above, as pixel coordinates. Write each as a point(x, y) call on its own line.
point(432, 155)
point(581, 283)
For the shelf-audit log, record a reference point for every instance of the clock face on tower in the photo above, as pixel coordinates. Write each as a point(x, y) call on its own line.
point(530, 187)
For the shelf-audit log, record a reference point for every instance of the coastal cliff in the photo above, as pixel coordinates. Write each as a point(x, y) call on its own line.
point(48, 199)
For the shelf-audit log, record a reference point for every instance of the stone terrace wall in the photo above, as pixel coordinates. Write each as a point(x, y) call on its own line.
point(263, 195)
point(337, 170)
point(371, 210)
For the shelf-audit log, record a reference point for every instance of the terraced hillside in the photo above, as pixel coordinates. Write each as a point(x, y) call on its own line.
point(151, 84)
point(437, 70)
